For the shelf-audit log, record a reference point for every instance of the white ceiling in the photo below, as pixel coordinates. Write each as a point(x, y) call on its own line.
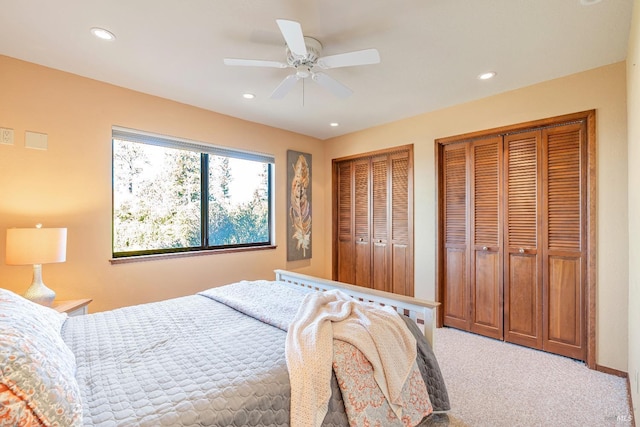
point(431, 50)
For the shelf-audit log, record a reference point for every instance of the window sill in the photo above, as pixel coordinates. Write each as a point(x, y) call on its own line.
point(155, 257)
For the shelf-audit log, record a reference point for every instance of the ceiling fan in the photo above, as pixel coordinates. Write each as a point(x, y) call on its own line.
point(303, 54)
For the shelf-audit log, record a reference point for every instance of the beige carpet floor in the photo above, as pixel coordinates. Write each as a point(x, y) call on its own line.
point(493, 383)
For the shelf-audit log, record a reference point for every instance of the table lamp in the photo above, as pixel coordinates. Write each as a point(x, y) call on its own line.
point(37, 246)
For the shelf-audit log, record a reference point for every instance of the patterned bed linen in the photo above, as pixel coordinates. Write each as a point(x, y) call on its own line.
point(190, 361)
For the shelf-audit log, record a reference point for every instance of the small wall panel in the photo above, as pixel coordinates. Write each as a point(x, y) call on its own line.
point(362, 263)
point(380, 266)
point(523, 296)
point(564, 300)
point(455, 287)
point(346, 255)
point(487, 292)
point(401, 258)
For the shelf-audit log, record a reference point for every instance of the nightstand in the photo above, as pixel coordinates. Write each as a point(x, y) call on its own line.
point(76, 307)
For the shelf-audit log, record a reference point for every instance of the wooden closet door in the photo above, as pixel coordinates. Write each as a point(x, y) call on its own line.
point(362, 236)
point(373, 220)
point(516, 234)
point(522, 259)
point(401, 223)
point(380, 272)
point(353, 245)
point(344, 217)
point(564, 240)
point(454, 189)
point(486, 237)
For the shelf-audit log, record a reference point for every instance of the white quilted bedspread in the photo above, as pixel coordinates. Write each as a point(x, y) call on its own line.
point(192, 361)
point(185, 362)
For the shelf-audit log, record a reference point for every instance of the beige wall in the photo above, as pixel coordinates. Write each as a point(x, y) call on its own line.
point(602, 89)
point(69, 185)
point(633, 114)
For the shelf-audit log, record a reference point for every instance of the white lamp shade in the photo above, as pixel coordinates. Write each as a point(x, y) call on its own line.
point(36, 245)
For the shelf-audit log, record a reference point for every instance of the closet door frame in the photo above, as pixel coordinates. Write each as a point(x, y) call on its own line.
point(409, 283)
point(589, 117)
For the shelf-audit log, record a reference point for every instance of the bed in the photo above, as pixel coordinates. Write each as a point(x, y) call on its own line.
point(215, 358)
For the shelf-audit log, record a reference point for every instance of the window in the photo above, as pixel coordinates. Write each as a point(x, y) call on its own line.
point(175, 196)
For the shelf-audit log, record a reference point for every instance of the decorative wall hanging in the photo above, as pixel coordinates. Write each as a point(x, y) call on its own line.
point(299, 205)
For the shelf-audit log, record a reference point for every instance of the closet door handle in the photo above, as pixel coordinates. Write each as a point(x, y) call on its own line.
point(521, 250)
point(361, 239)
point(484, 248)
point(380, 241)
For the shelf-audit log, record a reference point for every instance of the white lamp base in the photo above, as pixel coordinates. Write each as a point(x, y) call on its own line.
point(38, 292)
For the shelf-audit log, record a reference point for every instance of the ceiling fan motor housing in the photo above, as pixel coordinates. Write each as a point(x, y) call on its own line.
point(304, 64)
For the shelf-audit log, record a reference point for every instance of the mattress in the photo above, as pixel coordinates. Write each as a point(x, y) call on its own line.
point(192, 361)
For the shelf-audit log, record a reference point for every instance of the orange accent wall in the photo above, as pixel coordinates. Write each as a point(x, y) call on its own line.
point(69, 185)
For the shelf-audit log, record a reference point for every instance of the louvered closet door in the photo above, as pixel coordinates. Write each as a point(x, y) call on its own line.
point(401, 224)
point(362, 244)
point(564, 257)
point(373, 220)
point(345, 244)
point(522, 260)
point(486, 272)
point(381, 273)
point(454, 187)
point(514, 260)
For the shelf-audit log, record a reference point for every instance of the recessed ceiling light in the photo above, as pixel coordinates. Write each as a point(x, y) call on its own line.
point(589, 2)
point(334, 124)
point(248, 96)
point(487, 76)
point(103, 34)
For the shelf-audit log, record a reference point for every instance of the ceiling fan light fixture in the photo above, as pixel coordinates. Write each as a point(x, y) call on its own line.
point(103, 34)
point(487, 76)
point(303, 71)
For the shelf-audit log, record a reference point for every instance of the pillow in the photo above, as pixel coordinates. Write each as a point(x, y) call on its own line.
point(44, 315)
point(15, 411)
point(35, 363)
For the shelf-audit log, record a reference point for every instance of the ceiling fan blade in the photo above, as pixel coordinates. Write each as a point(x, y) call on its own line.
point(359, 57)
point(292, 33)
point(284, 87)
point(332, 85)
point(254, 63)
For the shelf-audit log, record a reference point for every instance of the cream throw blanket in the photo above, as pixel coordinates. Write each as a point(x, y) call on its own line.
point(378, 332)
